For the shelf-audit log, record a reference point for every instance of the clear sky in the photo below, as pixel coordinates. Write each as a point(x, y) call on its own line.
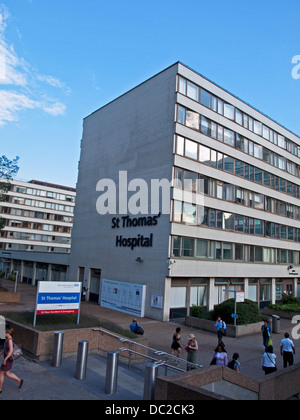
point(60, 60)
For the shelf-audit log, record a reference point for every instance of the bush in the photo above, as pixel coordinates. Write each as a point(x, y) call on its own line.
point(248, 312)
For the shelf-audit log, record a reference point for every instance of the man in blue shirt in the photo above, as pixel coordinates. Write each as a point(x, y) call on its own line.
point(287, 350)
point(136, 328)
point(221, 327)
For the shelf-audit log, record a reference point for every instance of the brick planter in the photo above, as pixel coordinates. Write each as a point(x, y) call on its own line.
point(6, 296)
point(232, 331)
point(39, 345)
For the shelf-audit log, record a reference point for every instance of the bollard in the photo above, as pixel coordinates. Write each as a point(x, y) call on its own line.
point(151, 373)
point(82, 357)
point(57, 349)
point(112, 372)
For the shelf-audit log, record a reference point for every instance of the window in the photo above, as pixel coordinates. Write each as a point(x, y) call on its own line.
point(187, 247)
point(181, 115)
point(189, 213)
point(202, 249)
point(190, 181)
point(178, 297)
point(180, 146)
point(228, 137)
point(191, 149)
point(229, 164)
point(192, 120)
point(177, 211)
point(228, 111)
point(227, 251)
point(205, 98)
point(204, 155)
point(192, 91)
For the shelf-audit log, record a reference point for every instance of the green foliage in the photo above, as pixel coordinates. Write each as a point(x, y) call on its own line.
point(248, 312)
point(8, 168)
point(289, 303)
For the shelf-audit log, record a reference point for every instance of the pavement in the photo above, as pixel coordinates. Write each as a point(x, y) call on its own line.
point(44, 382)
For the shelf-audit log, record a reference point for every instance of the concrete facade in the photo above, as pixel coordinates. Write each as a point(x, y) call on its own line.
point(249, 235)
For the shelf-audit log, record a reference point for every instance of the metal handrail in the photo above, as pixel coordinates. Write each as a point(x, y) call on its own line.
point(156, 361)
point(157, 352)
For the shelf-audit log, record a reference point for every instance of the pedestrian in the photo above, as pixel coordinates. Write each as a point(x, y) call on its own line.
point(136, 328)
point(266, 333)
point(287, 350)
point(234, 364)
point(269, 361)
point(221, 329)
point(192, 348)
point(7, 364)
point(176, 343)
point(220, 356)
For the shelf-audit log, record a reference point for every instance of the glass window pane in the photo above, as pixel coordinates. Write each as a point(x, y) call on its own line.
point(205, 98)
point(191, 149)
point(187, 249)
point(189, 214)
point(192, 91)
point(202, 248)
point(178, 297)
point(228, 111)
point(258, 127)
point(192, 120)
point(204, 156)
point(180, 146)
point(177, 211)
point(182, 85)
point(181, 115)
point(228, 137)
point(227, 251)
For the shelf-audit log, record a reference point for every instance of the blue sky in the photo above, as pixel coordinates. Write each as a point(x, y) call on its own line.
point(64, 59)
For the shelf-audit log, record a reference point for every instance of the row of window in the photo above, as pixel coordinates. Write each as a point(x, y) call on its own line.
point(41, 204)
point(225, 251)
point(203, 216)
point(36, 248)
point(38, 226)
point(191, 181)
point(197, 122)
point(234, 166)
point(210, 101)
point(36, 214)
point(43, 193)
point(35, 237)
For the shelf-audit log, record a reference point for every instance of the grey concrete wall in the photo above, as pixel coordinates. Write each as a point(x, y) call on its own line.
point(134, 133)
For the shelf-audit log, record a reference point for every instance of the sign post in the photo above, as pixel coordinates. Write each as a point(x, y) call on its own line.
point(58, 298)
point(239, 297)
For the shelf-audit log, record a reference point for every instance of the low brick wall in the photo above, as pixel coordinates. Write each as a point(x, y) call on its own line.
point(281, 385)
point(6, 296)
point(232, 331)
point(39, 345)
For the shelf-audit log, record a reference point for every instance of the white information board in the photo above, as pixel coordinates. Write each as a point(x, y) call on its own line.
point(123, 297)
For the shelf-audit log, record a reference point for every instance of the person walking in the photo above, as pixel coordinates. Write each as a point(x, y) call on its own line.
point(269, 361)
point(287, 350)
point(192, 348)
point(266, 333)
point(176, 343)
point(220, 356)
point(5, 369)
point(221, 330)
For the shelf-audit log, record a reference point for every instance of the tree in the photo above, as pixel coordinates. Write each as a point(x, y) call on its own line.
point(8, 170)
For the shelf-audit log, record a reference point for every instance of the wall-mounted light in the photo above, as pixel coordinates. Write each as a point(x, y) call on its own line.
point(290, 267)
point(139, 260)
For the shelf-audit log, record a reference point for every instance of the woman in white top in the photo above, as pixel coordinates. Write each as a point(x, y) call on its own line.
point(269, 361)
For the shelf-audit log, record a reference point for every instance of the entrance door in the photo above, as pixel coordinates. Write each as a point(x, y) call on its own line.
point(95, 285)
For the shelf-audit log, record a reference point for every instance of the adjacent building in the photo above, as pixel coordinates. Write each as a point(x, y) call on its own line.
point(36, 238)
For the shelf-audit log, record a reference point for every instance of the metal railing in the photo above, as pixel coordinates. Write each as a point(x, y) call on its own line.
point(158, 357)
